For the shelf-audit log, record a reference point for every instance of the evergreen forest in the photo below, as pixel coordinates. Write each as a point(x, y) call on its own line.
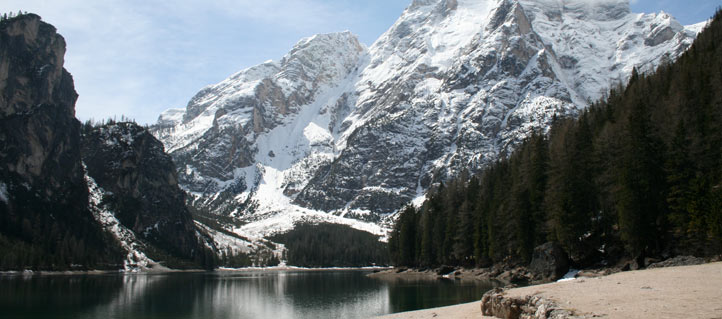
point(332, 245)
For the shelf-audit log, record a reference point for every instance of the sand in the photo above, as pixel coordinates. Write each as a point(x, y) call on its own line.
point(675, 292)
point(463, 311)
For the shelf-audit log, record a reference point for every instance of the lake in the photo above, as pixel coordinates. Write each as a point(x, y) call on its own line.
point(252, 294)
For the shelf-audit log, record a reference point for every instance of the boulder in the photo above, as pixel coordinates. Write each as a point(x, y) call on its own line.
point(443, 270)
point(549, 262)
point(496, 303)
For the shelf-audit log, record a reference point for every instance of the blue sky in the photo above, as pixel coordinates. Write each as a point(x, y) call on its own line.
point(140, 57)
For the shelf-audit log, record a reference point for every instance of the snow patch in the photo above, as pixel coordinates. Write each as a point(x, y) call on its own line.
point(171, 117)
point(226, 243)
point(317, 135)
point(285, 221)
point(571, 275)
point(4, 196)
point(697, 28)
point(419, 201)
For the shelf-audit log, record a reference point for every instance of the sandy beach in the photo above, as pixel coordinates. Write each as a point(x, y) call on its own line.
point(675, 292)
point(462, 311)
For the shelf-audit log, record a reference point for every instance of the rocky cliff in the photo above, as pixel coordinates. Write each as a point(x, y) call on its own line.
point(135, 213)
point(39, 131)
point(340, 132)
point(140, 187)
point(45, 221)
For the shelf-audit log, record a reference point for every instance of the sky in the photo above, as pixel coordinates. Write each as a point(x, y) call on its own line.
point(140, 57)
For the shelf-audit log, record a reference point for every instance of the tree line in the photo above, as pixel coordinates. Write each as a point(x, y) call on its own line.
point(332, 245)
point(10, 15)
point(637, 174)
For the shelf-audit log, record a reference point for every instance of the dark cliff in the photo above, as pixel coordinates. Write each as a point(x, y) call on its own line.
point(44, 219)
point(142, 186)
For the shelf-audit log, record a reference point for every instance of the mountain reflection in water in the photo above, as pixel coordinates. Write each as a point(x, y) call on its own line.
point(251, 294)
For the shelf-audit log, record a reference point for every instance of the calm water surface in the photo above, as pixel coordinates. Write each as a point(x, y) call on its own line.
point(261, 294)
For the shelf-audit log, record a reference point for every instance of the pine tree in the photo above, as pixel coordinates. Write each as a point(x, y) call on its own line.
point(407, 237)
point(430, 213)
point(481, 217)
point(641, 180)
point(680, 176)
point(463, 249)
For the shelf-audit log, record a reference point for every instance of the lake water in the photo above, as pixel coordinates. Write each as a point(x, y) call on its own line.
point(256, 294)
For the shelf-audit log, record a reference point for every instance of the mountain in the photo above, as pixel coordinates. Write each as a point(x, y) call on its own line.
point(343, 133)
point(45, 222)
point(135, 194)
point(106, 199)
point(633, 178)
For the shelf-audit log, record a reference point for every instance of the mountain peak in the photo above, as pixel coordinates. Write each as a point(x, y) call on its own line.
point(422, 3)
point(338, 42)
point(321, 58)
point(324, 38)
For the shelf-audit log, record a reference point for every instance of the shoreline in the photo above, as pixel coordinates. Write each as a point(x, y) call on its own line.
point(294, 268)
point(27, 273)
point(502, 275)
point(480, 274)
point(30, 273)
point(671, 292)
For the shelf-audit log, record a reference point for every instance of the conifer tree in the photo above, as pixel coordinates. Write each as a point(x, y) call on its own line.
point(641, 182)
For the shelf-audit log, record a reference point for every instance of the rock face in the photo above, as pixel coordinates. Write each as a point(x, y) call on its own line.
point(37, 106)
point(336, 129)
point(549, 262)
point(44, 206)
point(141, 187)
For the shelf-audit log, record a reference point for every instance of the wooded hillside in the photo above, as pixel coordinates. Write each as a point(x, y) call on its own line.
point(638, 174)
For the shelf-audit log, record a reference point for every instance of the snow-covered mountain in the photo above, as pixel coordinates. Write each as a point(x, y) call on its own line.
point(340, 132)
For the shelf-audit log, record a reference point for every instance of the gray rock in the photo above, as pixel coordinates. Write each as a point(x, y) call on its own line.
point(549, 262)
point(497, 304)
point(678, 261)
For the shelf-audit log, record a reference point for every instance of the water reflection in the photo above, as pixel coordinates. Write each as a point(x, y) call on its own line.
point(262, 294)
point(55, 296)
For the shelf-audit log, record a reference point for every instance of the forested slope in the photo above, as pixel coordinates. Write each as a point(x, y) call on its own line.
point(332, 245)
point(635, 175)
